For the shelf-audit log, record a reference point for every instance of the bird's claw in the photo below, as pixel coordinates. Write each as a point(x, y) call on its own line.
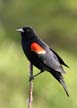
point(31, 78)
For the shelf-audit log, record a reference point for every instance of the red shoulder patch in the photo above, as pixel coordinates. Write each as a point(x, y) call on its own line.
point(37, 48)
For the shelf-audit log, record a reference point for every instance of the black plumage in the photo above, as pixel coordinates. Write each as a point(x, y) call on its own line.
point(41, 56)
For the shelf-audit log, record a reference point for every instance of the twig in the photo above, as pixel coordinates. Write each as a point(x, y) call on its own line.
point(30, 87)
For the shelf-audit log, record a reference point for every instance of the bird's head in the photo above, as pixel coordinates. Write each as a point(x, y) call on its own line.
point(27, 30)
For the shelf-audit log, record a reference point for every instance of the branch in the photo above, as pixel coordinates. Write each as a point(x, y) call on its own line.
point(30, 87)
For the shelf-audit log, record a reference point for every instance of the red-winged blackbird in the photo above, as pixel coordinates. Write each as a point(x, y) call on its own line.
point(41, 56)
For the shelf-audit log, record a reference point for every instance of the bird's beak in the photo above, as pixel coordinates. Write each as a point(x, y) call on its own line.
point(20, 30)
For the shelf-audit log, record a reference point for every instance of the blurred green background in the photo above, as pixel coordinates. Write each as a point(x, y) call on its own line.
point(55, 21)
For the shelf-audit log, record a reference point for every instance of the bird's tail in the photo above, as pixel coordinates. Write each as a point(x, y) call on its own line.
point(64, 85)
point(60, 78)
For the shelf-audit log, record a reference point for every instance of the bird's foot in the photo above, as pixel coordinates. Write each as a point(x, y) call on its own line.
point(31, 78)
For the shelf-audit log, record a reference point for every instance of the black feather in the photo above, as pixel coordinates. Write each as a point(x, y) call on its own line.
point(50, 61)
point(59, 58)
point(60, 78)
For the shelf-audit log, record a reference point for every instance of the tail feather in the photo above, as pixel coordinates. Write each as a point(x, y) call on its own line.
point(60, 78)
point(64, 86)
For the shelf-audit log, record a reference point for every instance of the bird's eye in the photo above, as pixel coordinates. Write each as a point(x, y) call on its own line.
point(28, 30)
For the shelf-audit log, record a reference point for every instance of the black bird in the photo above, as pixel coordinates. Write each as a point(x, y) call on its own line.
point(41, 56)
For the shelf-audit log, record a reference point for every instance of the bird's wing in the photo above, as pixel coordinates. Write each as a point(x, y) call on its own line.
point(35, 47)
point(47, 57)
point(60, 59)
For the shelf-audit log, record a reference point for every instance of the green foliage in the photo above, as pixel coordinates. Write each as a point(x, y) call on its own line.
point(56, 22)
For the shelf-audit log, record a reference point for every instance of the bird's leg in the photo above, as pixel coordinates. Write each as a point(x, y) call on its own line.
point(37, 74)
point(32, 78)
